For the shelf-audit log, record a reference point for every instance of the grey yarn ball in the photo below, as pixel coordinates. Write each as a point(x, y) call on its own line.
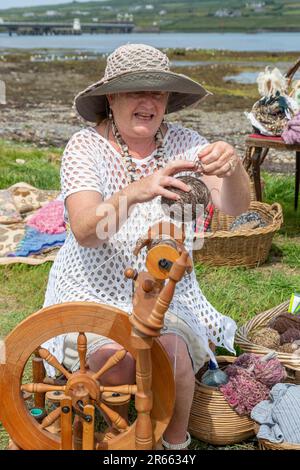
point(247, 218)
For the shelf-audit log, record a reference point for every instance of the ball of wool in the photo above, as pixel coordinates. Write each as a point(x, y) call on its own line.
point(290, 335)
point(190, 203)
point(284, 321)
point(246, 218)
point(266, 337)
point(288, 348)
point(244, 360)
point(268, 372)
point(296, 352)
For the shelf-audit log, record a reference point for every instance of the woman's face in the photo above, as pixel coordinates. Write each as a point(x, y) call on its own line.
point(138, 114)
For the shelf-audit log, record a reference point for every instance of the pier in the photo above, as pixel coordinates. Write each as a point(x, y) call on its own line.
point(45, 28)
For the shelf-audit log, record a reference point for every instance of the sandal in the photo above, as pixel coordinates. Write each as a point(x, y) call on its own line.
point(182, 445)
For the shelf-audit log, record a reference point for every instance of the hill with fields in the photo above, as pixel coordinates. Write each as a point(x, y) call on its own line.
point(173, 15)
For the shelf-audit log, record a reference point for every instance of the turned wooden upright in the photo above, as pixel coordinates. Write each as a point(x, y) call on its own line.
point(151, 301)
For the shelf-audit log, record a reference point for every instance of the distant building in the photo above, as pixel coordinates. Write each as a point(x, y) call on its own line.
point(162, 12)
point(149, 7)
point(225, 12)
point(95, 20)
point(127, 17)
point(256, 6)
point(80, 13)
point(29, 14)
point(52, 13)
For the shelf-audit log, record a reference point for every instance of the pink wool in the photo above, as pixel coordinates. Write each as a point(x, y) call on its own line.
point(49, 219)
point(291, 134)
point(243, 392)
point(250, 381)
point(268, 373)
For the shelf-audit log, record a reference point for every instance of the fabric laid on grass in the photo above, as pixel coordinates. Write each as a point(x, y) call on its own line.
point(49, 219)
point(35, 242)
point(44, 211)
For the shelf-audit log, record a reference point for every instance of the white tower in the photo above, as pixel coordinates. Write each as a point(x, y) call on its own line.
point(76, 26)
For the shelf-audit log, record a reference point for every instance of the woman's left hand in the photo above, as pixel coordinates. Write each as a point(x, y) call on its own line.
point(219, 159)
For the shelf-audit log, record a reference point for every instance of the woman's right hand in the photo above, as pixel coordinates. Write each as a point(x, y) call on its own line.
point(154, 185)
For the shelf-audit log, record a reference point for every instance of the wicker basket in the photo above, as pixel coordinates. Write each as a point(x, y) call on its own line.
point(264, 444)
point(212, 420)
point(246, 247)
point(290, 361)
point(267, 445)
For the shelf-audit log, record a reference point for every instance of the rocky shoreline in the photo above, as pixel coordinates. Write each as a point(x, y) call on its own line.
point(40, 95)
point(53, 126)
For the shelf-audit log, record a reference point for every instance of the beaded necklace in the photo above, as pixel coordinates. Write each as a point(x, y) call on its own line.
point(129, 163)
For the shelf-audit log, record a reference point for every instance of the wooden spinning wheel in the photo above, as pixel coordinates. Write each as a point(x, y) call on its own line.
point(83, 393)
point(59, 319)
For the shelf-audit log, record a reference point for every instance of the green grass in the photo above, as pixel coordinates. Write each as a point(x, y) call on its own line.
point(281, 188)
point(37, 168)
point(237, 292)
point(241, 292)
point(22, 292)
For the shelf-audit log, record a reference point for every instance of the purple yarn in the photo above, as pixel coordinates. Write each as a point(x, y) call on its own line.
point(250, 381)
point(243, 392)
point(291, 134)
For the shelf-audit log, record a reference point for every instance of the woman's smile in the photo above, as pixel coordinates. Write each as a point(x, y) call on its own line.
point(143, 116)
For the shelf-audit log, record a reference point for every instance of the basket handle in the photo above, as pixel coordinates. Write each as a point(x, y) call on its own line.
point(276, 212)
point(291, 71)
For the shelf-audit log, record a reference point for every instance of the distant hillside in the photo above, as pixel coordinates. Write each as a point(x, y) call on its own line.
point(173, 15)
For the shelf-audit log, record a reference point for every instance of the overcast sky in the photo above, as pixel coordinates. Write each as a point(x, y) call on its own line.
point(32, 3)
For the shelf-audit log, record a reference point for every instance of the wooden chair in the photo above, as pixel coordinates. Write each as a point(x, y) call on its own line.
point(82, 393)
point(257, 148)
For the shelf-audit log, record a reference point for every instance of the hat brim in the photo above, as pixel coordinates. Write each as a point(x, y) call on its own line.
point(91, 102)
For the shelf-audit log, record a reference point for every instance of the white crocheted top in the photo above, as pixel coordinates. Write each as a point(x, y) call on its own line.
point(97, 274)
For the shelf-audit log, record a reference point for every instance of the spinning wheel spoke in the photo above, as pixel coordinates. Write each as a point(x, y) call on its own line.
point(48, 357)
point(51, 418)
point(116, 420)
point(41, 388)
point(121, 389)
point(82, 348)
point(111, 362)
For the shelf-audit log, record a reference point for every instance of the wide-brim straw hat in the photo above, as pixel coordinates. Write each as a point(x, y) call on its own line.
point(133, 68)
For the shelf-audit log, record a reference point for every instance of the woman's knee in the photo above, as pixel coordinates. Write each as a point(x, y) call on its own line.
point(123, 372)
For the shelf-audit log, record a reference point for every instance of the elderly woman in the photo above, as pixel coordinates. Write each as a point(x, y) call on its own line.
point(132, 153)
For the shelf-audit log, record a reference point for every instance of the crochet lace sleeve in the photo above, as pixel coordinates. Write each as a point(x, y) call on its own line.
point(196, 143)
point(81, 165)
